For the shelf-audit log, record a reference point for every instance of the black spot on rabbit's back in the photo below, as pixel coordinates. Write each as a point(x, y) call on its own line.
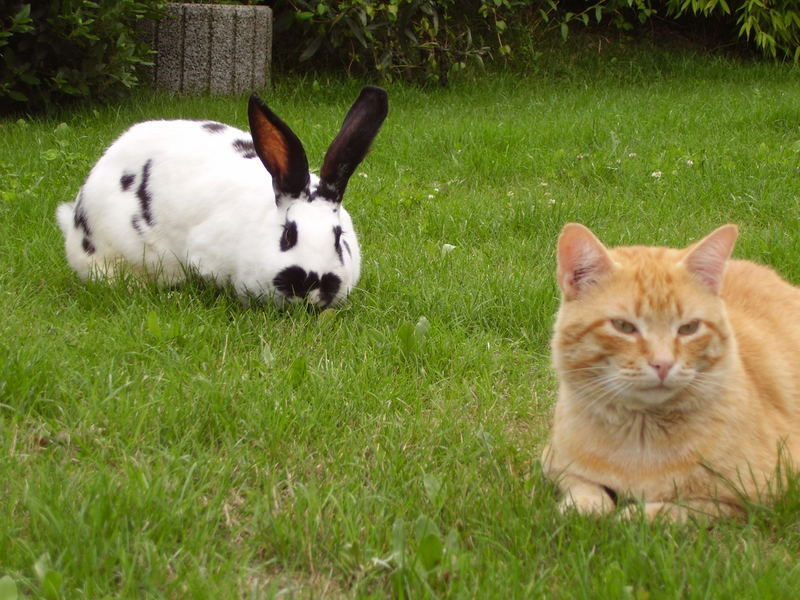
point(136, 223)
point(245, 148)
point(144, 195)
point(289, 236)
point(214, 127)
point(79, 216)
point(337, 242)
point(126, 181)
point(81, 222)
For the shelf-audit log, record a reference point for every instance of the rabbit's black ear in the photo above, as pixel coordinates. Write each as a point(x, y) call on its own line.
point(278, 148)
point(352, 143)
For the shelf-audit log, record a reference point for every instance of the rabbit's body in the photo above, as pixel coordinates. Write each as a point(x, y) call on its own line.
point(173, 197)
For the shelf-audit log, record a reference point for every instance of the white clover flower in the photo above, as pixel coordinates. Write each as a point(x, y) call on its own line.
point(689, 163)
point(362, 174)
point(656, 174)
point(632, 155)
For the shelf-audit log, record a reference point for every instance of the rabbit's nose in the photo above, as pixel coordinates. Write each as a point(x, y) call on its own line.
point(295, 282)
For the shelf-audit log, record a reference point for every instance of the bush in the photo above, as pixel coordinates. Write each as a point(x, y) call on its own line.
point(424, 40)
point(59, 50)
point(772, 25)
point(431, 39)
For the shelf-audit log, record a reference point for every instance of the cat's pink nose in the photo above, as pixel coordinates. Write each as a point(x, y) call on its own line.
point(662, 367)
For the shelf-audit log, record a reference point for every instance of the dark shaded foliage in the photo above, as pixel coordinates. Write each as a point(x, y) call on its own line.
point(61, 50)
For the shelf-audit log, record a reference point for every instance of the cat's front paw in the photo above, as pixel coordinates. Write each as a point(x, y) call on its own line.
point(668, 511)
point(651, 510)
point(695, 510)
point(587, 501)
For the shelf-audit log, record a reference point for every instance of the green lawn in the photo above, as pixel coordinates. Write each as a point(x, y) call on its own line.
point(172, 444)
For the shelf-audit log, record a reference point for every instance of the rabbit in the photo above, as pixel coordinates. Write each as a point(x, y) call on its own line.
point(170, 198)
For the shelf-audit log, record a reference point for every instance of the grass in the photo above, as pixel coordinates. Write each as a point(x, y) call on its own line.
point(172, 444)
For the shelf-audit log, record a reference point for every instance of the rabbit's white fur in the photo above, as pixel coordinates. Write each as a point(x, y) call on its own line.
point(172, 197)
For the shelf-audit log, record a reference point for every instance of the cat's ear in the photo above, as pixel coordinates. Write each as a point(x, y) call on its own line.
point(582, 259)
point(707, 258)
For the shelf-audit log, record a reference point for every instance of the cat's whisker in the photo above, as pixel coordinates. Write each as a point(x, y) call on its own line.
point(610, 390)
point(708, 385)
point(591, 388)
point(583, 369)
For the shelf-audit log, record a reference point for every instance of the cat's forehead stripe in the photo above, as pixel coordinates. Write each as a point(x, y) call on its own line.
point(654, 290)
point(578, 332)
point(717, 330)
point(637, 307)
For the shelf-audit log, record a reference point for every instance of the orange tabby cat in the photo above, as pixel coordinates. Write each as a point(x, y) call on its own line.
point(679, 377)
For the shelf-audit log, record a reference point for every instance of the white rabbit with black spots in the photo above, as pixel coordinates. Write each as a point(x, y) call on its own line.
point(173, 197)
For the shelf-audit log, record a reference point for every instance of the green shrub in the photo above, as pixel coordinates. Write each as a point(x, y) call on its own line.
point(410, 39)
point(430, 39)
point(55, 51)
point(772, 25)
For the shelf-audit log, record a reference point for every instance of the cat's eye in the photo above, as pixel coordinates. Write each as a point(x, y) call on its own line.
point(623, 326)
point(689, 328)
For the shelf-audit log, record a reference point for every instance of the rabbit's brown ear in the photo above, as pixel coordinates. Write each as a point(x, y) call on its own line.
point(278, 148)
point(352, 143)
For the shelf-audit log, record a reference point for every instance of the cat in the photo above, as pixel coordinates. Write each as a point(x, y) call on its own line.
point(678, 375)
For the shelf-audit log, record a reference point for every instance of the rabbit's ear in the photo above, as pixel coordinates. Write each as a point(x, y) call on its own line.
point(278, 148)
point(352, 143)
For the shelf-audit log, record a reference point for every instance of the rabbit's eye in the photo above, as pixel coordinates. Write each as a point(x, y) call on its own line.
point(289, 236)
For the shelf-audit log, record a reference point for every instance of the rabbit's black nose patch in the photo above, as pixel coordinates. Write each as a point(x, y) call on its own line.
point(295, 282)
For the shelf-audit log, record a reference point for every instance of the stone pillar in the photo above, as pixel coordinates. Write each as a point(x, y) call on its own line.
point(218, 48)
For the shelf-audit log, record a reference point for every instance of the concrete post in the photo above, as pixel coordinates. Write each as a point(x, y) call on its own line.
point(218, 48)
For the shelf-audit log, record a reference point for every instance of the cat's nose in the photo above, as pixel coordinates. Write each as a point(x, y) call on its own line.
point(662, 368)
